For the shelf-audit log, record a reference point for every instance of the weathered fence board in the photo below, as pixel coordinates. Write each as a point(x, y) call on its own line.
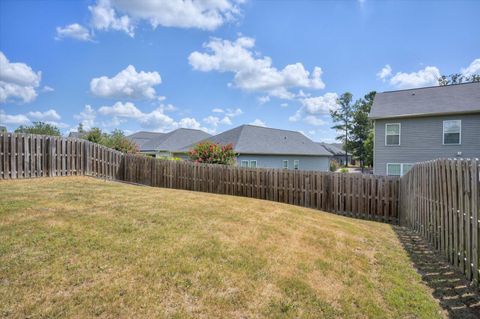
point(439, 200)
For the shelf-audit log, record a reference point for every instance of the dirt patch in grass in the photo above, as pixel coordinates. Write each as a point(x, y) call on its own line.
point(83, 247)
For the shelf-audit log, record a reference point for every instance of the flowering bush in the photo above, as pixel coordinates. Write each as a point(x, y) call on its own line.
point(212, 153)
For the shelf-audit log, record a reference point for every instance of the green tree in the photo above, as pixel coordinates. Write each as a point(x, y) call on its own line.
point(95, 135)
point(361, 127)
point(368, 144)
point(118, 141)
point(40, 128)
point(213, 153)
point(80, 128)
point(343, 118)
point(457, 78)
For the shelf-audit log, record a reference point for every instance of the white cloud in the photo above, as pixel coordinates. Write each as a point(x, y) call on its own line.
point(218, 110)
point(425, 77)
point(128, 83)
point(205, 15)
point(284, 105)
point(47, 88)
point(233, 112)
point(252, 73)
point(47, 116)
point(17, 119)
point(87, 117)
point(473, 68)
point(314, 108)
point(105, 18)
point(119, 109)
point(385, 72)
point(50, 117)
point(259, 122)
point(17, 81)
point(74, 31)
point(263, 99)
point(215, 120)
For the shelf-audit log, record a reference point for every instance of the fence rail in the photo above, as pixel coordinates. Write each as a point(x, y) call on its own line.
point(440, 201)
point(356, 195)
point(28, 156)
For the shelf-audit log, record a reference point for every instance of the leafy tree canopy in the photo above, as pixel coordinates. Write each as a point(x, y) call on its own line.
point(40, 128)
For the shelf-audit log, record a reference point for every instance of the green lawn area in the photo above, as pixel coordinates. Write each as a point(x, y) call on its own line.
point(81, 247)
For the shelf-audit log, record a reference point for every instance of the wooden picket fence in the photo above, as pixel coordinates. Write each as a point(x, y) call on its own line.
point(440, 200)
point(28, 156)
point(356, 195)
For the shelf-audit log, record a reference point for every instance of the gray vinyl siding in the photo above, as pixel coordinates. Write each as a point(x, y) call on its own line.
point(421, 139)
point(310, 163)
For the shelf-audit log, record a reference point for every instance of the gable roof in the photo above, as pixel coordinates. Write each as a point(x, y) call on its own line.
point(77, 134)
point(437, 100)
point(172, 141)
point(251, 139)
point(335, 148)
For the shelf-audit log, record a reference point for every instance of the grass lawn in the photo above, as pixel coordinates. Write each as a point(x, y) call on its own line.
point(80, 247)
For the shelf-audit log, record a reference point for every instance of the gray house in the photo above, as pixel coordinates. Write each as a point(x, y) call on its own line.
point(165, 144)
point(268, 147)
point(423, 124)
point(338, 153)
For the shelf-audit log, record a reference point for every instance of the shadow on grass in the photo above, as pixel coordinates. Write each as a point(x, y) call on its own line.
point(454, 293)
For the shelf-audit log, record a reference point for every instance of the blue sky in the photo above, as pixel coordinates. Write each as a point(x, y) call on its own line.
point(159, 66)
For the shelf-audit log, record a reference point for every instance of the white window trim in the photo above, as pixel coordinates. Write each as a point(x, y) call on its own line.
point(443, 133)
point(252, 162)
point(399, 134)
point(401, 168)
point(242, 162)
point(283, 164)
point(297, 163)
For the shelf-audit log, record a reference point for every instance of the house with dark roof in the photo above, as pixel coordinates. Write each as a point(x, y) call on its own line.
point(165, 144)
point(338, 153)
point(274, 148)
point(423, 124)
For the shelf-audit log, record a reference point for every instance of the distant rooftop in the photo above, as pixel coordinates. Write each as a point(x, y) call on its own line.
point(436, 100)
point(334, 148)
point(172, 141)
point(251, 139)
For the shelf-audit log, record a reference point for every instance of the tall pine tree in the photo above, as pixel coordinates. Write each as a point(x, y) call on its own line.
point(343, 117)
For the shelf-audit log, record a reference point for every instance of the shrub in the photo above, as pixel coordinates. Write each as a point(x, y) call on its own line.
point(212, 153)
point(334, 166)
point(39, 128)
point(344, 170)
point(115, 140)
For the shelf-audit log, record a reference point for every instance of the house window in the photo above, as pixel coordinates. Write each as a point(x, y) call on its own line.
point(285, 164)
point(392, 134)
point(452, 131)
point(398, 169)
point(253, 164)
point(244, 164)
point(296, 164)
point(394, 169)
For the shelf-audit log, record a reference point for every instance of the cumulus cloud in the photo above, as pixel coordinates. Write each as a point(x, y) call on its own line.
point(17, 81)
point(253, 73)
point(314, 108)
point(259, 122)
point(473, 68)
point(74, 31)
point(119, 109)
point(17, 119)
point(128, 83)
point(215, 120)
point(87, 117)
point(50, 115)
point(425, 77)
point(205, 15)
point(105, 18)
point(385, 72)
